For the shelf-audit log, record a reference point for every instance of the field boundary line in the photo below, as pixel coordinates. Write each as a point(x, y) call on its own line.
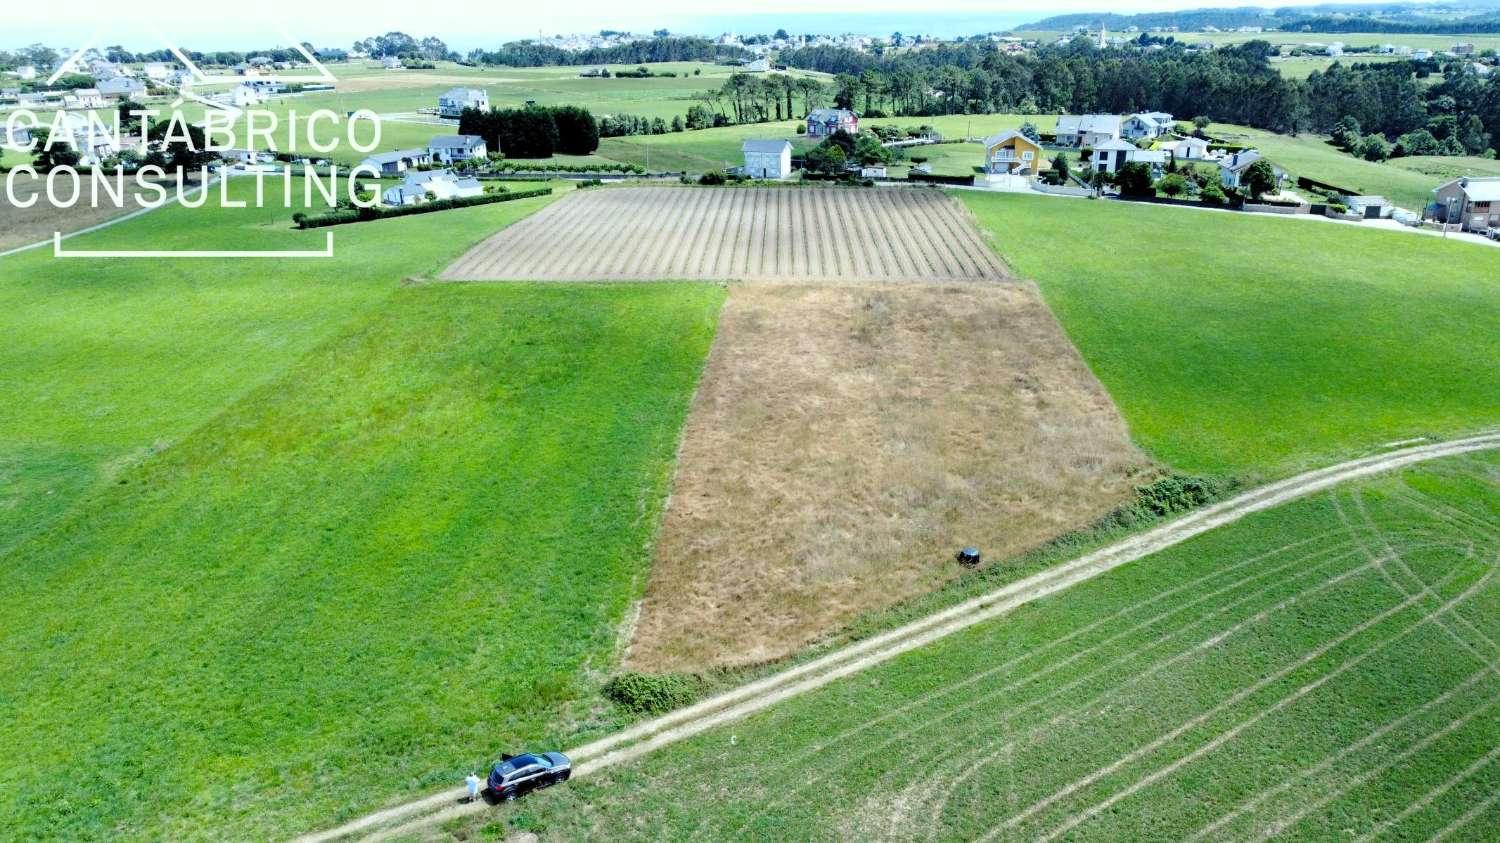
point(815, 673)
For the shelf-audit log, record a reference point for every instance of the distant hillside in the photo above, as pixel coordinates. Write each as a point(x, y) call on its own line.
point(1478, 16)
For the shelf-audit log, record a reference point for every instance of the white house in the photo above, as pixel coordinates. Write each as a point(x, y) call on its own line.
point(1080, 130)
point(766, 159)
point(391, 63)
point(1111, 156)
point(1187, 149)
point(1149, 124)
point(453, 102)
point(1421, 55)
point(157, 71)
point(83, 98)
point(450, 149)
point(397, 162)
point(1233, 168)
point(757, 66)
point(122, 86)
point(419, 187)
point(26, 71)
point(243, 96)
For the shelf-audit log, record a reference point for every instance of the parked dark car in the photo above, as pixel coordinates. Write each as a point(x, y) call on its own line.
point(518, 775)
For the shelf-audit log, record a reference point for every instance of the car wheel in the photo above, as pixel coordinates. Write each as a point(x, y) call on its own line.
point(508, 796)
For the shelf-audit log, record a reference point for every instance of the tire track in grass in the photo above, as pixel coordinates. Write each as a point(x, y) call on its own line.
point(1468, 817)
point(1234, 699)
point(988, 752)
point(1431, 796)
point(820, 671)
point(1213, 830)
point(1308, 808)
point(968, 706)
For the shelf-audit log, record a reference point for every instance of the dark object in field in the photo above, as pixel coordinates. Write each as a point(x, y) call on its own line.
point(968, 556)
point(518, 775)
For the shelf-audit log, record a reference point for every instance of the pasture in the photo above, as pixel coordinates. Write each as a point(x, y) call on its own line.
point(264, 522)
point(1323, 670)
point(846, 439)
point(1250, 345)
point(744, 233)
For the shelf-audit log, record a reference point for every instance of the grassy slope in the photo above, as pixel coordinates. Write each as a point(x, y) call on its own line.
point(1407, 181)
point(1242, 344)
point(106, 361)
point(951, 740)
point(365, 576)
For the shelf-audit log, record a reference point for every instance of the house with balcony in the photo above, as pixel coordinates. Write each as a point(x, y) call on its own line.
point(1012, 154)
point(453, 102)
point(1148, 124)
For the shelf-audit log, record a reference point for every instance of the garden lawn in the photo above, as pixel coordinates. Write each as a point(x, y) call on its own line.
point(1256, 345)
point(1286, 675)
point(406, 552)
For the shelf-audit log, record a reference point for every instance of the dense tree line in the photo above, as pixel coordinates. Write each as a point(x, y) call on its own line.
point(404, 46)
point(1476, 24)
point(532, 54)
point(1235, 84)
point(533, 132)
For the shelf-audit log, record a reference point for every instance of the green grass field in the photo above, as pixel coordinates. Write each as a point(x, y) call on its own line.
point(1321, 671)
point(283, 540)
point(1249, 344)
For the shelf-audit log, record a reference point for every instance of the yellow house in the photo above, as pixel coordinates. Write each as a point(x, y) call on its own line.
point(1012, 153)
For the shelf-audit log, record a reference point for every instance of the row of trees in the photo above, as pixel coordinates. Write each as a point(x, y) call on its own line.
point(535, 131)
point(1235, 84)
point(532, 54)
point(404, 46)
point(756, 98)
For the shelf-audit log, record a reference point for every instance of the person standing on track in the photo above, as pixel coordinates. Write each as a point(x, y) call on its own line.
point(472, 781)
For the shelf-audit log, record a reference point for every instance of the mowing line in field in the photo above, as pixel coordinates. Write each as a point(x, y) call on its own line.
point(971, 706)
point(166, 254)
point(1431, 796)
point(1276, 828)
point(1253, 803)
point(1232, 700)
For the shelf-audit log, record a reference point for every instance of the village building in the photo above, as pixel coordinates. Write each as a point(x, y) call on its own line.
point(822, 122)
point(83, 98)
point(451, 149)
point(122, 86)
point(1077, 131)
point(1112, 156)
point(767, 159)
point(419, 187)
point(453, 101)
point(1187, 149)
point(1473, 204)
point(1012, 154)
point(397, 162)
point(1232, 169)
point(1150, 124)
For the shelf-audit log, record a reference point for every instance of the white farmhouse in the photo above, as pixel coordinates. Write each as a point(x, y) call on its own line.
point(26, 71)
point(157, 71)
point(122, 86)
point(1110, 157)
point(450, 149)
point(419, 187)
point(83, 98)
point(1079, 130)
point(1149, 124)
point(391, 63)
point(453, 102)
point(766, 159)
point(1187, 149)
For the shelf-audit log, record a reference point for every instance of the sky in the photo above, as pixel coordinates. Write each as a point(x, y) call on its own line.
point(465, 24)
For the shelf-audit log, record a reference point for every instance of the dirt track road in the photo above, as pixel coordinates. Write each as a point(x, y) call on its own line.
point(746, 700)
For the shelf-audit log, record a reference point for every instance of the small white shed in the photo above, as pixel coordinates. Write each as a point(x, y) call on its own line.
point(768, 159)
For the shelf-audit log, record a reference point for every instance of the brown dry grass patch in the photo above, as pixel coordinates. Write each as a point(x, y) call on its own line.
point(847, 440)
point(24, 226)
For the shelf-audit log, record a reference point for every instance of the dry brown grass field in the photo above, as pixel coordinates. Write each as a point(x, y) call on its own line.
point(23, 226)
point(749, 234)
point(847, 439)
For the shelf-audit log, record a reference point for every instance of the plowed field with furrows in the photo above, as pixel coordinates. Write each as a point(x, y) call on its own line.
point(753, 234)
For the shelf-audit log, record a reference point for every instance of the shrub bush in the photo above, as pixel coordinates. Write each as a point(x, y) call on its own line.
point(712, 177)
point(645, 693)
